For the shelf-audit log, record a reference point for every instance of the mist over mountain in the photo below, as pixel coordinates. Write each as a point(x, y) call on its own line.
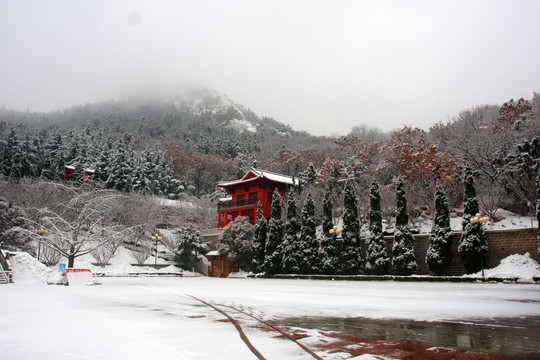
point(184, 112)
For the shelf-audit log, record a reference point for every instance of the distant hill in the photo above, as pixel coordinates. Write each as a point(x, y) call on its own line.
point(185, 112)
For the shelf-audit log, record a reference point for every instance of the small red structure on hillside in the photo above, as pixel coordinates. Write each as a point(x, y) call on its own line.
point(244, 194)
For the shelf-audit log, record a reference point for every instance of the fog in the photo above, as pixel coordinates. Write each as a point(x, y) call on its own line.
point(319, 66)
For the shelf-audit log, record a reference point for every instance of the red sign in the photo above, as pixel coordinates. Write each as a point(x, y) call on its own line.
point(71, 270)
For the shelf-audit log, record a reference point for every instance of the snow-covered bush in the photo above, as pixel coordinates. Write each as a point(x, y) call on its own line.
point(237, 242)
point(403, 260)
point(290, 248)
point(272, 257)
point(472, 246)
point(351, 254)
point(376, 257)
point(309, 245)
point(327, 250)
point(439, 253)
point(259, 241)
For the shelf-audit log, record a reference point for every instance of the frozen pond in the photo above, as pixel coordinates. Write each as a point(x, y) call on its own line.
point(515, 337)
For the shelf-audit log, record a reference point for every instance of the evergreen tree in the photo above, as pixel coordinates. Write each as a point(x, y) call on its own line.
point(327, 251)
point(376, 257)
point(309, 246)
point(403, 260)
point(471, 206)
point(237, 242)
point(351, 253)
point(259, 243)
point(290, 247)
point(272, 252)
point(439, 253)
point(538, 198)
point(472, 240)
point(190, 248)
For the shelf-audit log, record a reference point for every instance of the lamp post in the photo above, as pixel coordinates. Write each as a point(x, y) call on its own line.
point(156, 238)
point(335, 232)
point(480, 220)
point(41, 231)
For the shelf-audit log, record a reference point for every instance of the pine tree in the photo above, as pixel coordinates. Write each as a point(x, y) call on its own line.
point(471, 206)
point(439, 253)
point(309, 246)
point(237, 242)
point(376, 257)
point(190, 247)
point(538, 197)
point(272, 253)
point(290, 246)
point(327, 251)
point(472, 240)
point(351, 254)
point(403, 260)
point(260, 240)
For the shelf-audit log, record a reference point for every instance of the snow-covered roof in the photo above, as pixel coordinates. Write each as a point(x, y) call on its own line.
point(258, 173)
point(213, 253)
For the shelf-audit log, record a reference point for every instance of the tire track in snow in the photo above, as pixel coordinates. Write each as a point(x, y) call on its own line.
point(236, 325)
point(244, 337)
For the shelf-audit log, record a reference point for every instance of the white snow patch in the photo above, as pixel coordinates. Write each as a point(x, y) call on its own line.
point(27, 270)
point(242, 125)
point(513, 266)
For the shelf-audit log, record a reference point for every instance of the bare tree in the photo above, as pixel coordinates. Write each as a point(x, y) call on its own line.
point(48, 255)
point(105, 252)
point(139, 244)
point(80, 225)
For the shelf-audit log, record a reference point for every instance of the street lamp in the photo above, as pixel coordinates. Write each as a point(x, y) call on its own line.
point(335, 232)
point(480, 220)
point(156, 238)
point(41, 231)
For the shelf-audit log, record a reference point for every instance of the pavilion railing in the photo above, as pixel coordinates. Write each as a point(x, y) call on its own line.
point(229, 204)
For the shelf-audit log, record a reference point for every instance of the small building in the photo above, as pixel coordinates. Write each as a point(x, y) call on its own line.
point(88, 174)
point(244, 194)
point(220, 266)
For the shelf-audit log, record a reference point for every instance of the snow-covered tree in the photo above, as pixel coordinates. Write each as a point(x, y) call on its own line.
point(439, 253)
point(237, 242)
point(538, 196)
point(272, 253)
point(190, 248)
point(259, 242)
point(376, 257)
point(327, 252)
point(80, 225)
point(471, 207)
point(15, 230)
point(309, 245)
point(521, 170)
point(403, 260)
point(472, 241)
point(290, 245)
point(351, 253)
point(105, 252)
point(139, 244)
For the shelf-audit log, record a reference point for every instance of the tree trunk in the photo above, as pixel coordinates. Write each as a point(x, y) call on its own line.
point(71, 257)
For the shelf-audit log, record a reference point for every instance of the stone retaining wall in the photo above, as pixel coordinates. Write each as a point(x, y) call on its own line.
point(501, 243)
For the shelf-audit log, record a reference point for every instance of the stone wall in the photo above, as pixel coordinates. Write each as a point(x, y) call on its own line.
point(501, 243)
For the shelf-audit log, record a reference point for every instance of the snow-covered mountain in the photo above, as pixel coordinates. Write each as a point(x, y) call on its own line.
point(211, 104)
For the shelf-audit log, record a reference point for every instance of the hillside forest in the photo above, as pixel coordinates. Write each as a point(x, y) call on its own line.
point(156, 163)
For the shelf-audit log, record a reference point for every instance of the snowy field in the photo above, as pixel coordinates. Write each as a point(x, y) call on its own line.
point(158, 318)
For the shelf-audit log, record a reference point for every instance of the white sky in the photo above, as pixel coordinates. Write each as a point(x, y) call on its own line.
point(320, 66)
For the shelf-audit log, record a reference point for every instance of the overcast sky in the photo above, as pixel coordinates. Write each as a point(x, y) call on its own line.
point(319, 66)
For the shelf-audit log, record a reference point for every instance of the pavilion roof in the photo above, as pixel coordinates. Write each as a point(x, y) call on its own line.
point(255, 174)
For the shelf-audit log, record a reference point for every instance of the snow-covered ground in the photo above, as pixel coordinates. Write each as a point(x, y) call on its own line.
point(156, 318)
